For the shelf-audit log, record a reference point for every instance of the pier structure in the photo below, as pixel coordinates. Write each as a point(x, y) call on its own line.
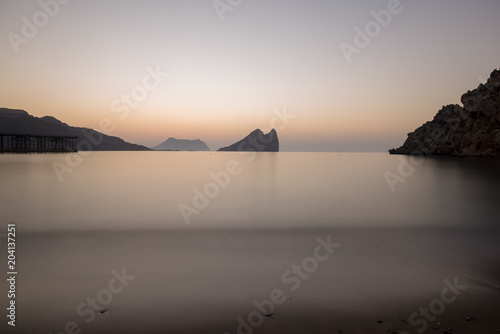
point(16, 143)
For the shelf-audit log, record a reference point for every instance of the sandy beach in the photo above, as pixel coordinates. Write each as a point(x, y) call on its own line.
point(259, 281)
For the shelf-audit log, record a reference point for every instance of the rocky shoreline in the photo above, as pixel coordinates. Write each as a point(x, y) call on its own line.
point(469, 131)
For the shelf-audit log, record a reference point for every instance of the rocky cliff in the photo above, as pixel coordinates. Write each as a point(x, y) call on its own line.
point(172, 144)
point(469, 130)
point(256, 141)
point(19, 122)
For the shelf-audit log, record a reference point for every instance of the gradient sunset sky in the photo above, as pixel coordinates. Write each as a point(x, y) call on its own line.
point(228, 76)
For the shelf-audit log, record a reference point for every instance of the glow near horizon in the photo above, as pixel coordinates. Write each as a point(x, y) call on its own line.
point(227, 77)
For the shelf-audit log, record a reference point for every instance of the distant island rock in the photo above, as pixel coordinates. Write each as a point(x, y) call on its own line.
point(19, 122)
point(256, 141)
point(172, 144)
point(469, 131)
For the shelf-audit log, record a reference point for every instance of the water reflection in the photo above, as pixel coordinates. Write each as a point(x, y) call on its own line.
point(143, 190)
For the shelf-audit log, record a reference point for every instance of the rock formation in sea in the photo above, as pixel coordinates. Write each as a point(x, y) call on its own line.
point(19, 122)
point(256, 141)
point(468, 131)
point(172, 144)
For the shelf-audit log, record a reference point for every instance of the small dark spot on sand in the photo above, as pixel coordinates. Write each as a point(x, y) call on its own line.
point(468, 318)
point(103, 311)
point(379, 321)
point(404, 322)
point(340, 332)
point(268, 315)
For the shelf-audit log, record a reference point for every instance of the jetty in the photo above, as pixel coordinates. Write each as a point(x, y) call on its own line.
point(20, 143)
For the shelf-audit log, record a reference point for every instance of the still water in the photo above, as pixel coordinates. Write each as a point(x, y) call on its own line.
point(166, 190)
point(181, 242)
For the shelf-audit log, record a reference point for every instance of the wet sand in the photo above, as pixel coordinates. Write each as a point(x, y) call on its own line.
point(202, 281)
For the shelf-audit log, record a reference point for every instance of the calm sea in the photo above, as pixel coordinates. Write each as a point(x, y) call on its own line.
point(181, 242)
point(168, 190)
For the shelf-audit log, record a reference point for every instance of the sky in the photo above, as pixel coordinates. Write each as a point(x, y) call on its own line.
point(329, 75)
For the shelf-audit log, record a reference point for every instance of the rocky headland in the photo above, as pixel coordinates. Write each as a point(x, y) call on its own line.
point(19, 122)
point(471, 130)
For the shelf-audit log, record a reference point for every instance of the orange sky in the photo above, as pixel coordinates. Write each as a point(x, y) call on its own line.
point(227, 76)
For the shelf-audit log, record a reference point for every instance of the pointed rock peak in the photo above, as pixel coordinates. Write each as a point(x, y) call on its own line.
point(256, 131)
point(256, 141)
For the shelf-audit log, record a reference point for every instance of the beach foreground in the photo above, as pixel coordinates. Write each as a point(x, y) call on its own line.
point(259, 281)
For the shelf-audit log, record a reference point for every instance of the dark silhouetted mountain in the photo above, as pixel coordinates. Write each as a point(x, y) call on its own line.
point(256, 141)
point(19, 122)
point(172, 144)
point(471, 130)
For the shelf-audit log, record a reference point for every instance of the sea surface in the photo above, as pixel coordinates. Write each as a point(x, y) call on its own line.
point(151, 190)
point(192, 242)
